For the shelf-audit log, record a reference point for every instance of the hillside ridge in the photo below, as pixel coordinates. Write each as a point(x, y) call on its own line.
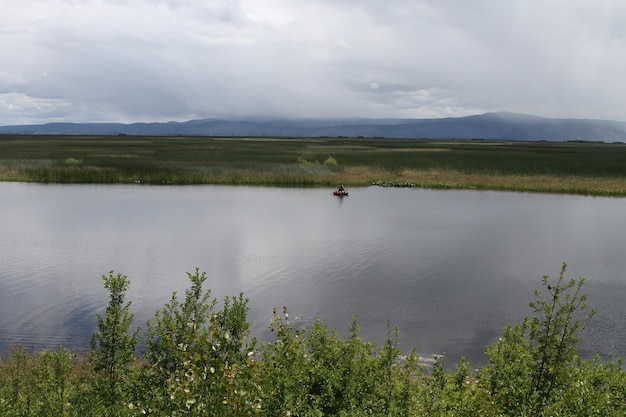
point(496, 126)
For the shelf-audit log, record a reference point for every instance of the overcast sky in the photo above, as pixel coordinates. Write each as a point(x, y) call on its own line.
point(152, 60)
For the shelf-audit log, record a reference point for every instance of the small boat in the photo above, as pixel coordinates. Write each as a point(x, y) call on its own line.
point(340, 193)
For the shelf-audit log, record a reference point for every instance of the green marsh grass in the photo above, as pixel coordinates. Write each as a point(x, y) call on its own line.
point(554, 167)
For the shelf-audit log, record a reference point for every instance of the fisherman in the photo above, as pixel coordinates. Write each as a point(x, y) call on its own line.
point(340, 188)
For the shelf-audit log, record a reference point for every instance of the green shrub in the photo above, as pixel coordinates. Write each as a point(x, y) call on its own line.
point(530, 366)
point(112, 346)
point(331, 162)
point(72, 161)
point(201, 357)
point(314, 372)
point(305, 162)
point(199, 361)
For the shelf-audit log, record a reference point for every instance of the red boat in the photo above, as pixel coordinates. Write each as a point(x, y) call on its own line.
point(340, 193)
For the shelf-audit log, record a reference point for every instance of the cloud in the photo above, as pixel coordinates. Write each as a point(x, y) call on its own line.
point(23, 109)
point(113, 60)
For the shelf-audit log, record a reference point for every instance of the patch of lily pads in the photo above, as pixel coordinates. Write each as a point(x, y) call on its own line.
point(394, 184)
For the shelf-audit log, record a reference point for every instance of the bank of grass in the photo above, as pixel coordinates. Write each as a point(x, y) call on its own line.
point(572, 167)
point(573, 184)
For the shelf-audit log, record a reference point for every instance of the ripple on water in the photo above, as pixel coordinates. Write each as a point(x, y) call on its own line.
point(450, 268)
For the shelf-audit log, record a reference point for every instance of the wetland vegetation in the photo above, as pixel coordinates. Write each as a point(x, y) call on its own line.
point(554, 167)
point(196, 356)
point(198, 360)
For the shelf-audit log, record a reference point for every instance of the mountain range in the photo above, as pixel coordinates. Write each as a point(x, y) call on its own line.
point(500, 125)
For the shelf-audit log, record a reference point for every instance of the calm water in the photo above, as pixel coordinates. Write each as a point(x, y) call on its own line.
point(451, 268)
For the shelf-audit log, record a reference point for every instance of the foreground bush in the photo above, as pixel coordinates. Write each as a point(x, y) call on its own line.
point(199, 360)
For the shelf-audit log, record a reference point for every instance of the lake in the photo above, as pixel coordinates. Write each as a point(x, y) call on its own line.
point(450, 268)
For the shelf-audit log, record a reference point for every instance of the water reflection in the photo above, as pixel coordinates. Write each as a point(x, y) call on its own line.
point(451, 268)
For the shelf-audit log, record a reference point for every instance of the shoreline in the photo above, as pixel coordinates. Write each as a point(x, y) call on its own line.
point(592, 169)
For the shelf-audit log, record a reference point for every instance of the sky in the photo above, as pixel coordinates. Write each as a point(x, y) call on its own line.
point(165, 60)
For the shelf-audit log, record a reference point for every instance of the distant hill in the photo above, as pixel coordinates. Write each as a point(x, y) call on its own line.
point(501, 125)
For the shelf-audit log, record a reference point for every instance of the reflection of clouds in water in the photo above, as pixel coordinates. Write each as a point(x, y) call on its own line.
point(450, 268)
point(604, 333)
point(36, 321)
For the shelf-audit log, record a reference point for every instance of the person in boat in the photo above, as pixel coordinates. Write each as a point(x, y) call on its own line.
point(340, 188)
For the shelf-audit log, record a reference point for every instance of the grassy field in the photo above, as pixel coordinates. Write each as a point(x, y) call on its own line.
point(573, 167)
